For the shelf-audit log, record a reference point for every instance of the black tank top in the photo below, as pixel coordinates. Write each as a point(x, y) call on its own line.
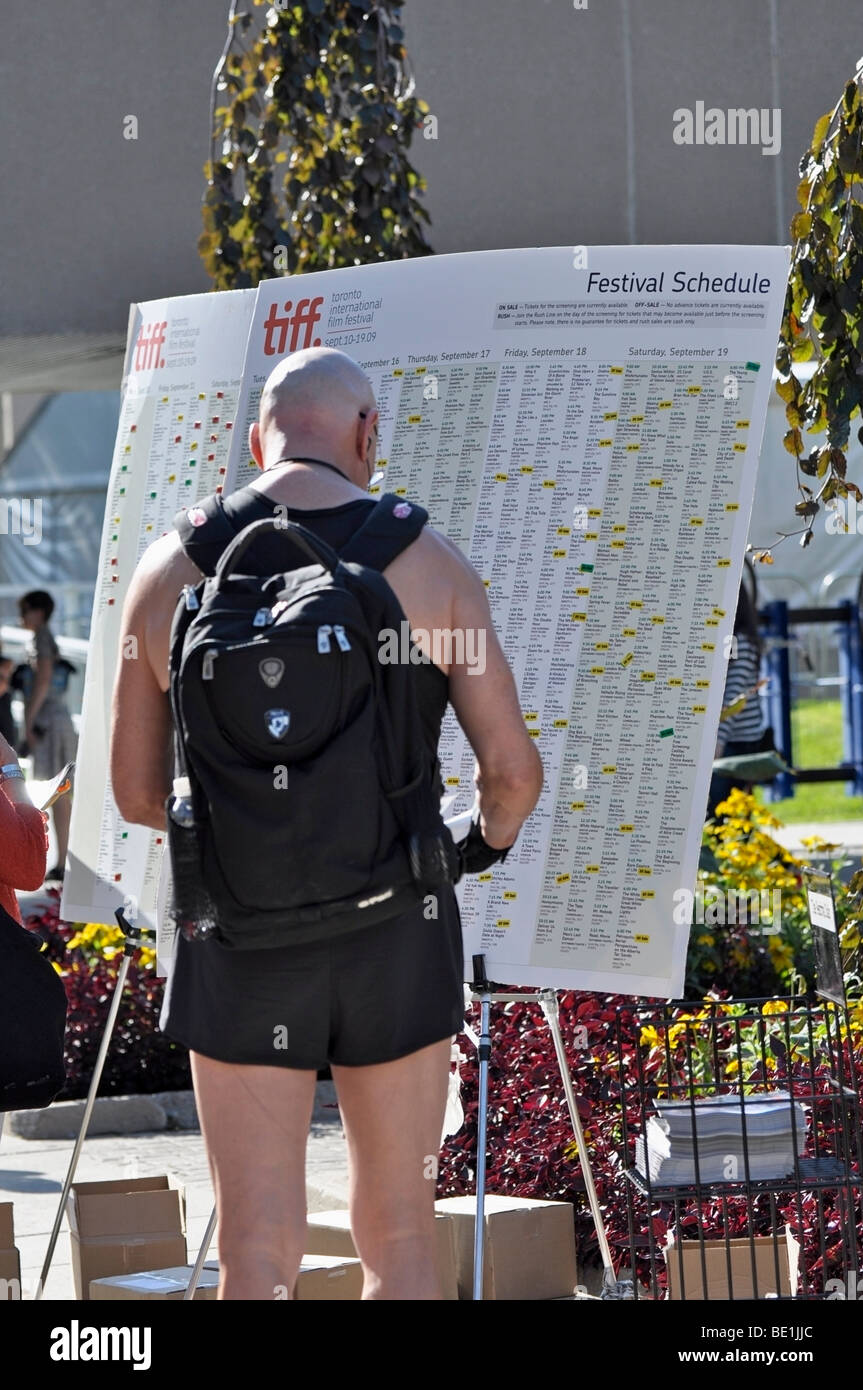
point(336, 526)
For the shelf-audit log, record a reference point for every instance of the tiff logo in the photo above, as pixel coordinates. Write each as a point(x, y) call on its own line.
point(305, 316)
point(77, 1343)
point(21, 516)
point(148, 346)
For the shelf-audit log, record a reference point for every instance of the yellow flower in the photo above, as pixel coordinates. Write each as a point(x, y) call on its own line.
point(649, 1037)
point(109, 941)
point(705, 940)
point(774, 1006)
point(97, 935)
point(781, 953)
point(732, 1067)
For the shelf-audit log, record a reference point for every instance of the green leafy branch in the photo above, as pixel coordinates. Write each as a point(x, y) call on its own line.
point(309, 165)
point(823, 315)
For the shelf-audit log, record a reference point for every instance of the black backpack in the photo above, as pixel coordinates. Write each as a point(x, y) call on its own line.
point(307, 800)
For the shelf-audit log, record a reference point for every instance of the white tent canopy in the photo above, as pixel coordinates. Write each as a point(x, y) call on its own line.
point(52, 499)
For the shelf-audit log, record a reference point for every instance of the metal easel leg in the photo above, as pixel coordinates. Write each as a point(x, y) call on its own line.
point(202, 1255)
point(482, 987)
point(612, 1288)
point(133, 940)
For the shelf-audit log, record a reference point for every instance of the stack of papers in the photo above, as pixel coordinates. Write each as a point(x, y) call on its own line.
point(734, 1140)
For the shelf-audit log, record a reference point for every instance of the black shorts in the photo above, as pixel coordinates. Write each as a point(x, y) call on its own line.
point(366, 997)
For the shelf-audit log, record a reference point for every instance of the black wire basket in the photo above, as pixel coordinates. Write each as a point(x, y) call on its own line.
point(741, 1146)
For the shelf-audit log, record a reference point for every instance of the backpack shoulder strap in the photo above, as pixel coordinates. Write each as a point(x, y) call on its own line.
point(206, 529)
point(390, 528)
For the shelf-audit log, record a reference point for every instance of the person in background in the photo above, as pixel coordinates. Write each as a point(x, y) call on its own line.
point(8, 729)
point(48, 729)
point(23, 837)
point(745, 731)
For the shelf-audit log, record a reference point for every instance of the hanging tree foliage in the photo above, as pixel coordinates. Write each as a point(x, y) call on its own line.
point(823, 319)
point(309, 167)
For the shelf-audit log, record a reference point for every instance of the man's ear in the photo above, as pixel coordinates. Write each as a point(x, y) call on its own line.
point(365, 434)
point(362, 436)
point(255, 444)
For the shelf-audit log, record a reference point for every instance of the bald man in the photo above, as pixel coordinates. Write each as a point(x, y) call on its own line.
point(380, 1004)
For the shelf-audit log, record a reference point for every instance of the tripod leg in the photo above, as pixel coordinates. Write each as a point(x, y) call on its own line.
point(202, 1255)
point(88, 1110)
point(481, 1145)
point(552, 1016)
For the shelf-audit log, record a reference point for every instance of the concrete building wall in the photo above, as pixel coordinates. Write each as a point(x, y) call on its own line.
point(554, 127)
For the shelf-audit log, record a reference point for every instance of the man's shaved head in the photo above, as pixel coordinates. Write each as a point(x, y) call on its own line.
point(315, 384)
point(316, 403)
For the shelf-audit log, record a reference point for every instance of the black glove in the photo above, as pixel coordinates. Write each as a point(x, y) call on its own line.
point(475, 856)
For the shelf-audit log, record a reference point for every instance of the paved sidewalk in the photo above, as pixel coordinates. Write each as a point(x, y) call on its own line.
point(847, 833)
point(32, 1173)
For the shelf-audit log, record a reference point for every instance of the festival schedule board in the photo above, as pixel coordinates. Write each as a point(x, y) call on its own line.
point(181, 381)
point(585, 423)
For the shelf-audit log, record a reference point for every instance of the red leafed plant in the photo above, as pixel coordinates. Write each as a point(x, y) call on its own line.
point(141, 1060)
point(531, 1149)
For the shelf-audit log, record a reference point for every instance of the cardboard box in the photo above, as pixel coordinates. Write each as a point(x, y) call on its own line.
point(10, 1262)
point(711, 1281)
point(328, 1278)
point(129, 1226)
point(529, 1247)
point(155, 1283)
point(329, 1233)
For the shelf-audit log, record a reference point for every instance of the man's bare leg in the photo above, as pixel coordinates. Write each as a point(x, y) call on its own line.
point(393, 1116)
point(255, 1122)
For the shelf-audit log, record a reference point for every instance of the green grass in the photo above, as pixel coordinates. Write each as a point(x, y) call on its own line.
point(816, 732)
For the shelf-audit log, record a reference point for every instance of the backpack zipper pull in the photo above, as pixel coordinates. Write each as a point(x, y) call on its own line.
point(207, 667)
point(191, 597)
point(342, 638)
point(324, 638)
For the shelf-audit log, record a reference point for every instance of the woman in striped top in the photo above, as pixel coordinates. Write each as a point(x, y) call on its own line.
point(744, 732)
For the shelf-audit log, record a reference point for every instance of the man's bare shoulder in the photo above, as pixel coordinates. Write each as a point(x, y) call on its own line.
point(433, 570)
point(163, 569)
point(434, 548)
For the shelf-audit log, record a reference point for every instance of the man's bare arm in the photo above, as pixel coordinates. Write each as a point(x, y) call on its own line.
point(509, 771)
point(141, 753)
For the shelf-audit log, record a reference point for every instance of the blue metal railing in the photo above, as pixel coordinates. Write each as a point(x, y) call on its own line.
point(777, 620)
